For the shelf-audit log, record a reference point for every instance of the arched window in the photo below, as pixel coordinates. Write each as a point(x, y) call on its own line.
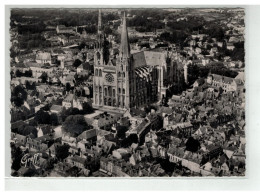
point(119, 74)
point(105, 91)
point(100, 73)
point(114, 102)
point(109, 102)
point(100, 99)
point(96, 72)
point(123, 91)
point(124, 74)
point(98, 55)
point(119, 90)
point(123, 101)
point(109, 91)
point(114, 93)
point(100, 89)
point(118, 101)
point(96, 99)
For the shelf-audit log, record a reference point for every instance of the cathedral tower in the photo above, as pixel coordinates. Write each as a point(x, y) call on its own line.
point(99, 22)
point(113, 77)
point(125, 70)
point(98, 66)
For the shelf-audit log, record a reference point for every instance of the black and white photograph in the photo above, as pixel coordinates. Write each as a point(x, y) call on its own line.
point(127, 92)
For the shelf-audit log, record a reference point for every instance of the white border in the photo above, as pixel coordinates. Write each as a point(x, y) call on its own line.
point(252, 122)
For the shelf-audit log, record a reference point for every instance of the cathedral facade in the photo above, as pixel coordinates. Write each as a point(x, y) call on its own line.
point(128, 80)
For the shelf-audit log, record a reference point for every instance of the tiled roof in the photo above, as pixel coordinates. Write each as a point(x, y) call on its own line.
point(57, 108)
point(43, 56)
point(148, 58)
point(220, 78)
point(69, 98)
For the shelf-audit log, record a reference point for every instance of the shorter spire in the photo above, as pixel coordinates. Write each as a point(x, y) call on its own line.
point(99, 22)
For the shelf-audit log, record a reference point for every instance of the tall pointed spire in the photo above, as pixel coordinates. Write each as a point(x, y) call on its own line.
point(124, 47)
point(99, 22)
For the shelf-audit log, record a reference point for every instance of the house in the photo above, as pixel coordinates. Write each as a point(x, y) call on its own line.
point(192, 161)
point(121, 153)
point(84, 67)
point(40, 143)
point(43, 57)
point(88, 135)
point(135, 158)
point(44, 130)
point(220, 44)
point(105, 120)
point(198, 50)
point(61, 29)
point(228, 84)
point(77, 161)
point(78, 102)
point(175, 154)
point(18, 139)
point(56, 109)
point(68, 101)
point(51, 151)
point(115, 167)
point(71, 141)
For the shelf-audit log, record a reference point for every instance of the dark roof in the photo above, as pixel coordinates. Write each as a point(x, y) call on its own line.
point(17, 124)
point(137, 112)
point(85, 66)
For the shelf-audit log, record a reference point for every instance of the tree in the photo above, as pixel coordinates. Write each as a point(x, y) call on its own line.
point(107, 30)
point(192, 144)
point(54, 119)
point(75, 125)
point(68, 87)
point(28, 73)
point(62, 151)
point(42, 117)
point(92, 163)
point(44, 77)
point(27, 130)
point(18, 73)
point(27, 84)
point(132, 138)
point(18, 95)
point(87, 108)
point(120, 131)
point(16, 154)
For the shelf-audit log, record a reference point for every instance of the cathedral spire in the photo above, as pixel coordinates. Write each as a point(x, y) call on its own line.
point(124, 47)
point(99, 22)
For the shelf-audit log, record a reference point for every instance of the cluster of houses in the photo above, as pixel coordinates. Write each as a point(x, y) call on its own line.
point(200, 132)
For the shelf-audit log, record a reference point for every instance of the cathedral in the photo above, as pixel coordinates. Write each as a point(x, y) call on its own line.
point(128, 80)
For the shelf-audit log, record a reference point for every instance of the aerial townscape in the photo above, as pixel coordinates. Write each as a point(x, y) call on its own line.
point(127, 92)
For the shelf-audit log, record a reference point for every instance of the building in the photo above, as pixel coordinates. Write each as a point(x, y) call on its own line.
point(68, 101)
point(61, 29)
point(129, 80)
point(43, 57)
point(228, 84)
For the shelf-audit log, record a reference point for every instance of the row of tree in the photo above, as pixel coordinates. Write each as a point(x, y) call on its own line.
point(27, 73)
